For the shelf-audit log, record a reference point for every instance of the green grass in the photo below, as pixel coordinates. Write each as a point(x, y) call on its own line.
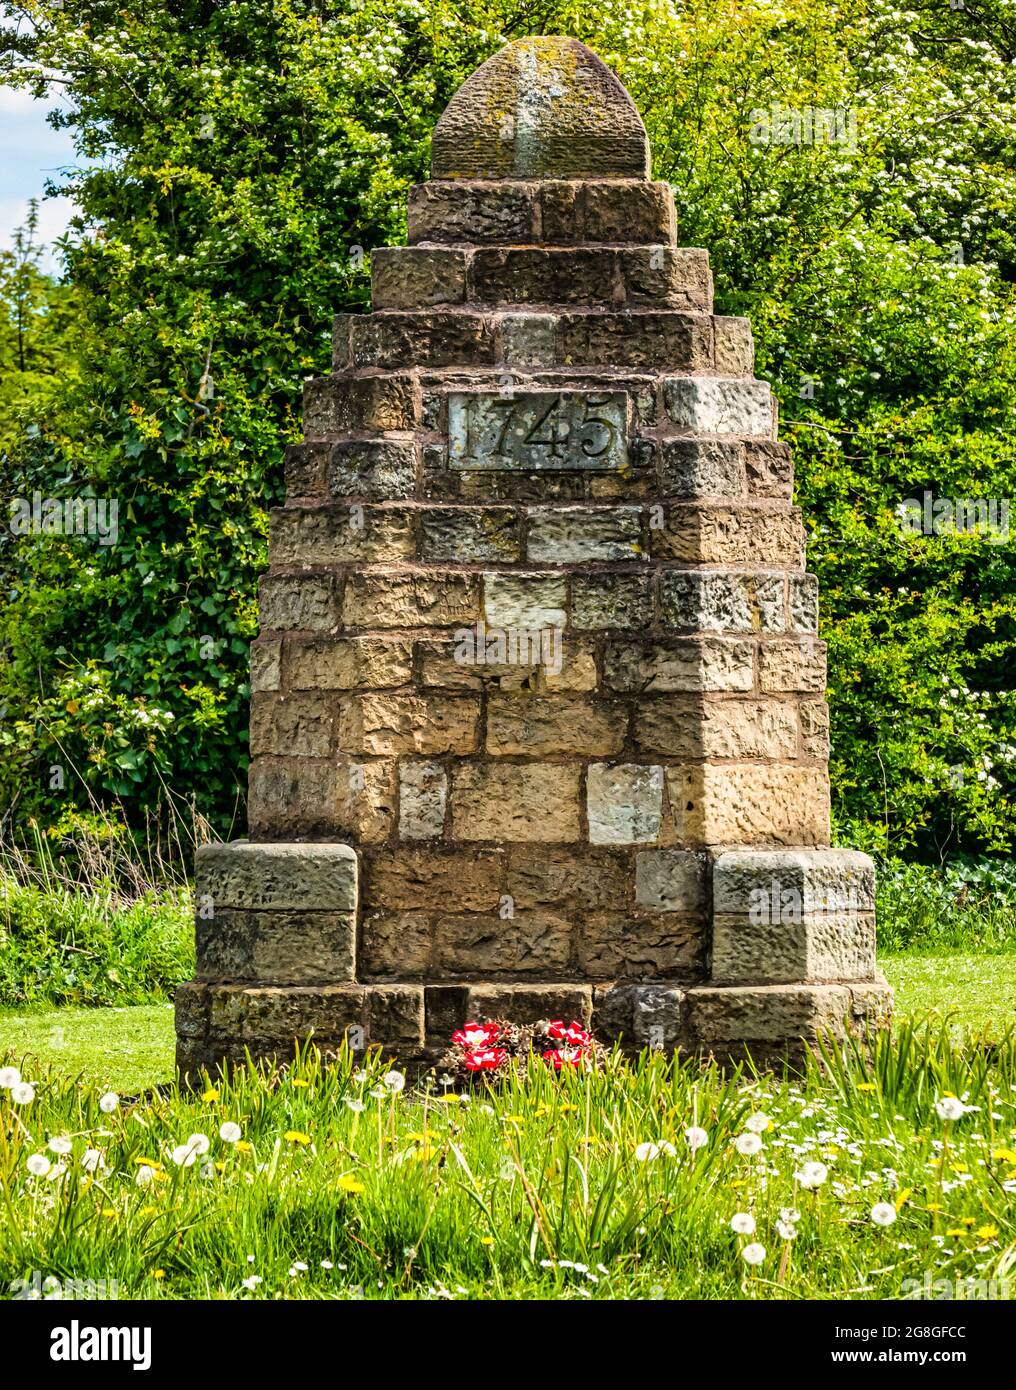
point(343, 1188)
point(127, 1049)
point(978, 991)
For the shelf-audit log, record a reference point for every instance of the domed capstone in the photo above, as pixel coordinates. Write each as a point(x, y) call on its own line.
point(541, 108)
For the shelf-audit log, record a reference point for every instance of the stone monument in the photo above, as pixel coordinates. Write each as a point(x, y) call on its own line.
point(537, 723)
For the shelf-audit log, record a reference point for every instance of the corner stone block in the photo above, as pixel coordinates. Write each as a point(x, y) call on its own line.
point(277, 877)
point(719, 405)
point(810, 880)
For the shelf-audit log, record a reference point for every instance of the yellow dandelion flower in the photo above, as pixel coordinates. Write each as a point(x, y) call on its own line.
point(986, 1232)
point(296, 1136)
point(956, 1231)
point(866, 1086)
point(297, 1082)
point(349, 1184)
point(242, 1147)
point(210, 1096)
point(149, 1211)
point(108, 1213)
point(486, 1240)
point(158, 1274)
point(514, 1119)
point(149, 1163)
point(1005, 1155)
point(933, 1206)
point(968, 1220)
point(903, 1197)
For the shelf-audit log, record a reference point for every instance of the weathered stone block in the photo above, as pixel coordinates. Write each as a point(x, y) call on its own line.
point(528, 601)
point(701, 467)
point(769, 468)
point(395, 1017)
point(296, 601)
point(423, 800)
point(644, 948)
point(530, 1003)
point(395, 945)
point(624, 803)
point(611, 601)
point(244, 876)
point(804, 602)
point(528, 340)
point(641, 212)
point(300, 726)
point(566, 880)
point(337, 405)
point(265, 665)
point(305, 467)
point(719, 405)
point(429, 879)
point(384, 724)
point(665, 275)
point(349, 663)
point(464, 211)
point(745, 804)
point(526, 944)
point(814, 729)
point(730, 536)
point(522, 802)
point(766, 1014)
point(798, 882)
point(658, 1018)
point(680, 664)
point(569, 535)
point(793, 665)
point(411, 600)
point(470, 536)
point(724, 601)
point(374, 469)
point(296, 797)
point(670, 880)
point(406, 277)
point(686, 727)
point(637, 338)
point(298, 947)
point(392, 338)
point(734, 347)
point(340, 535)
point(538, 726)
point(833, 946)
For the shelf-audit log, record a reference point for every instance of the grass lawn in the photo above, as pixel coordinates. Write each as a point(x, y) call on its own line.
point(657, 1180)
point(127, 1049)
point(132, 1048)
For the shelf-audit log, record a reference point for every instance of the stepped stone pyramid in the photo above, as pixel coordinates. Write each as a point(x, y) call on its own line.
point(537, 722)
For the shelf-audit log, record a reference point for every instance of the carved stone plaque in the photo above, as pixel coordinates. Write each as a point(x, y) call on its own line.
point(538, 430)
